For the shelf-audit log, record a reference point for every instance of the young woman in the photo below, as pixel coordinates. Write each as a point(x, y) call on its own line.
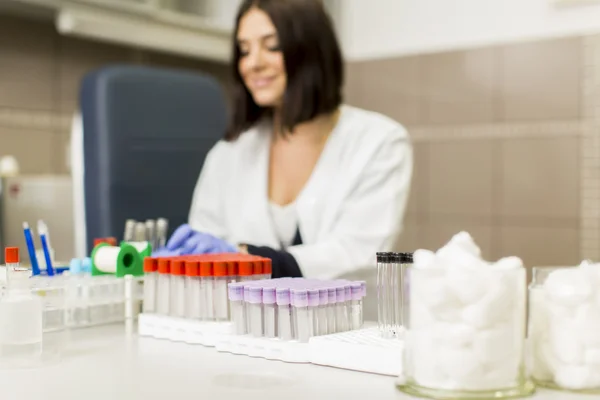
point(317, 186)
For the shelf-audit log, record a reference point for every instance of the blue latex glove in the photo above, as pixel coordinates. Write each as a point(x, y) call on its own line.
point(185, 241)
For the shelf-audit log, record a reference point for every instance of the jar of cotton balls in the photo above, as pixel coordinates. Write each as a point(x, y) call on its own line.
point(466, 325)
point(564, 328)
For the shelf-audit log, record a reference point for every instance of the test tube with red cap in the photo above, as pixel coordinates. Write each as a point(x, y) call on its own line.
point(257, 270)
point(209, 289)
point(267, 268)
point(219, 299)
point(245, 270)
point(205, 269)
point(177, 288)
point(150, 284)
point(194, 298)
point(164, 280)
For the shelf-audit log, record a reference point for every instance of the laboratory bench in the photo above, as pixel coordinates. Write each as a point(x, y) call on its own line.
point(107, 363)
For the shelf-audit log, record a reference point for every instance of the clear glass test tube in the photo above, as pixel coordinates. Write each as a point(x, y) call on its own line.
point(150, 283)
point(331, 320)
point(396, 295)
point(380, 292)
point(177, 289)
point(321, 326)
point(255, 307)
point(236, 301)
point(285, 329)
point(406, 265)
point(192, 285)
point(164, 285)
point(300, 311)
point(270, 312)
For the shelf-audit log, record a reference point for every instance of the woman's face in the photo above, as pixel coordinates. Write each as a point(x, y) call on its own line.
point(261, 63)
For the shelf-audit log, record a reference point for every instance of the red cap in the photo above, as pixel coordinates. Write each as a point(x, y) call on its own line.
point(231, 268)
point(110, 240)
point(150, 264)
point(220, 268)
point(267, 266)
point(178, 267)
point(245, 268)
point(164, 266)
point(258, 267)
point(192, 268)
point(11, 255)
point(206, 268)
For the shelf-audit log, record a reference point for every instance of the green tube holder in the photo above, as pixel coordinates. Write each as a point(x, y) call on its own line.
point(129, 262)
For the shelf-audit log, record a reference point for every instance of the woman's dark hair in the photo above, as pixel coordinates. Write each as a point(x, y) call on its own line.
point(313, 65)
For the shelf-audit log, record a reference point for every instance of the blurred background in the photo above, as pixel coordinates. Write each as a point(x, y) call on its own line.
point(501, 99)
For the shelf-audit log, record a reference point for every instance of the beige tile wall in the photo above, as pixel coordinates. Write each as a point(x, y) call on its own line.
point(507, 145)
point(40, 72)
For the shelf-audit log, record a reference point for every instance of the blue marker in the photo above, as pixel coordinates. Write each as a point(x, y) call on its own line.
point(43, 232)
point(35, 269)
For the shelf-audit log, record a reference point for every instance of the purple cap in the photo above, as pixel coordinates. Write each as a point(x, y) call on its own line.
point(348, 291)
point(299, 297)
point(236, 292)
point(282, 296)
point(313, 297)
point(363, 288)
point(340, 294)
point(356, 291)
point(255, 295)
point(331, 294)
point(269, 296)
point(323, 297)
point(246, 292)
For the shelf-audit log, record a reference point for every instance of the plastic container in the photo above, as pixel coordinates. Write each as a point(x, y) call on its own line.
point(269, 312)
point(236, 301)
point(164, 285)
point(150, 283)
point(341, 317)
point(564, 328)
point(321, 321)
point(356, 311)
point(302, 325)
point(465, 337)
point(255, 311)
point(220, 301)
point(331, 306)
point(194, 300)
point(206, 280)
point(177, 289)
point(285, 325)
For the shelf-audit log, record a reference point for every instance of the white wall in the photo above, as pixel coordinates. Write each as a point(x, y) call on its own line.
point(382, 28)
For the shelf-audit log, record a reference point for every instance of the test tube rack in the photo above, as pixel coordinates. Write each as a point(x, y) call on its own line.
point(206, 333)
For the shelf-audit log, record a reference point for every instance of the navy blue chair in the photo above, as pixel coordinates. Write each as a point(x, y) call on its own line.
point(145, 134)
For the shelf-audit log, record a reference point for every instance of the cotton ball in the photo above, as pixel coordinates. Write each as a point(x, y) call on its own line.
point(459, 364)
point(464, 241)
point(420, 316)
point(566, 347)
point(494, 307)
point(503, 374)
point(587, 324)
point(454, 334)
point(432, 291)
point(508, 263)
point(493, 346)
point(577, 377)
point(457, 257)
point(568, 287)
point(467, 285)
point(421, 352)
point(592, 357)
point(423, 259)
point(542, 360)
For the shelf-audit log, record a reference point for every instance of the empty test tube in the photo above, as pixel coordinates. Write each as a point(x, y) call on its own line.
point(284, 314)
point(299, 299)
point(177, 289)
point(236, 301)
point(163, 297)
point(205, 271)
point(321, 326)
point(221, 277)
point(331, 320)
point(269, 312)
point(356, 311)
point(194, 298)
point(150, 283)
point(348, 304)
point(341, 319)
point(313, 307)
point(255, 308)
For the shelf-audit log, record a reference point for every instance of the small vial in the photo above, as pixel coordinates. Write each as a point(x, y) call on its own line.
point(313, 306)
point(236, 301)
point(177, 288)
point(219, 298)
point(356, 306)
point(256, 311)
point(150, 283)
point(348, 304)
point(247, 307)
point(341, 319)
point(164, 284)
point(21, 319)
point(331, 320)
point(284, 314)
point(321, 326)
point(300, 311)
point(245, 271)
point(193, 299)
point(206, 272)
point(269, 312)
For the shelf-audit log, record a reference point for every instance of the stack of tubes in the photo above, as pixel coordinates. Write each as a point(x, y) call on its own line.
point(195, 287)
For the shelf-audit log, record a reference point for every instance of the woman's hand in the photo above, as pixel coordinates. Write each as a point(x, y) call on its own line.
point(185, 241)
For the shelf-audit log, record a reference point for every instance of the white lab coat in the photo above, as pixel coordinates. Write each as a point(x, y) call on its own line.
point(351, 207)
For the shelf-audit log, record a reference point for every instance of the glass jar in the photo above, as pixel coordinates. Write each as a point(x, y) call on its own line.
point(466, 333)
point(564, 328)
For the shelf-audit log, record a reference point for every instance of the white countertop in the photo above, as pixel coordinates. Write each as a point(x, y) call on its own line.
point(106, 364)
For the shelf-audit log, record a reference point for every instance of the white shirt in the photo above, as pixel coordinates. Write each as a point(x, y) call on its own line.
point(285, 222)
point(351, 207)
